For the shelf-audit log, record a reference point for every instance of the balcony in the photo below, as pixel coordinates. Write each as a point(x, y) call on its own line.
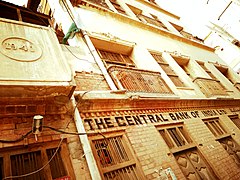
point(33, 64)
point(135, 80)
point(191, 37)
point(210, 87)
point(99, 4)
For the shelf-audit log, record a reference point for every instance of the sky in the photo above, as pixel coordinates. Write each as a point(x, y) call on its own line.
point(196, 14)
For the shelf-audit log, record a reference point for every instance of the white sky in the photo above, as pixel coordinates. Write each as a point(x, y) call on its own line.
point(195, 14)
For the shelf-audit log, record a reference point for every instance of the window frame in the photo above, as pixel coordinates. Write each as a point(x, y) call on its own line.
point(123, 61)
point(171, 141)
point(234, 119)
point(172, 75)
point(216, 127)
point(128, 149)
point(6, 154)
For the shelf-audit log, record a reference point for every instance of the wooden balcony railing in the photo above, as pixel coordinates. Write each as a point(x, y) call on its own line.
point(191, 37)
point(136, 80)
point(93, 3)
point(152, 21)
point(210, 87)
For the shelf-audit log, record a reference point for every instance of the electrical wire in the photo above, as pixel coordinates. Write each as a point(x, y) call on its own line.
point(61, 131)
point(78, 57)
point(38, 170)
point(16, 140)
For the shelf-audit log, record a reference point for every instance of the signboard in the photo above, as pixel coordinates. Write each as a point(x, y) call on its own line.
point(97, 123)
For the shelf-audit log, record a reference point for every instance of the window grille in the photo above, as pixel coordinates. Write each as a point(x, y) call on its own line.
point(168, 70)
point(175, 136)
point(215, 127)
point(116, 58)
point(128, 172)
point(236, 120)
point(115, 159)
point(22, 161)
point(56, 164)
point(26, 163)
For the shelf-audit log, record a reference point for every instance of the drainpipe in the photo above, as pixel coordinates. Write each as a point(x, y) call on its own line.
point(94, 172)
point(98, 60)
point(95, 175)
point(77, 20)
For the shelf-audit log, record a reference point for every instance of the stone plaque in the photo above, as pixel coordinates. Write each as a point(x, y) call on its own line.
point(20, 49)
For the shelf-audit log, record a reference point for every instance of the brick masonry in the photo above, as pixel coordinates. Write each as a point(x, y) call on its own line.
point(94, 81)
point(14, 127)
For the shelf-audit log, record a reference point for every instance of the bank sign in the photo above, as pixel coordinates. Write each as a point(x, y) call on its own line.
point(97, 123)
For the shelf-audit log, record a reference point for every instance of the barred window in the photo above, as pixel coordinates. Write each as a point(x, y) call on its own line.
point(236, 120)
point(56, 165)
point(175, 136)
point(115, 159)
point(26, 163)
point(22, 161)
point(215, 126)
point(116, 58)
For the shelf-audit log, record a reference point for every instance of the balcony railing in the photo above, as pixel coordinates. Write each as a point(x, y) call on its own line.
point(136, 80)
point(210, 87)
point(92, 3)
point(152, 21)
point(191, 37)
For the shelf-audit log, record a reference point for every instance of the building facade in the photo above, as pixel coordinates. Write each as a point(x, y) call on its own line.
point(132, 96)
point(226, 45)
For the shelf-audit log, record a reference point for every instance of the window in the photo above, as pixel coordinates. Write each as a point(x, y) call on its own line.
point(56, 165)
point(23, 161)
point(232, 148)
point(190, 161)
point(235, 119)
point(168, 70)
point(1, 168)
point(214, 126)
point(118, 7)
point(151, 20)
point(175, 136)
point(26, 163)
point(224, 70)
point(116, 58)
point(206, 70)
point(115, 159)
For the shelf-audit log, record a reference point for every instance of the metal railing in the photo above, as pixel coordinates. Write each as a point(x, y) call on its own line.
point(136, 80)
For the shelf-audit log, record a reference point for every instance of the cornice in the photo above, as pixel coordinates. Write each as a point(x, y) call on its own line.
point(86, 105)
point(148, 27)
point(157, 7)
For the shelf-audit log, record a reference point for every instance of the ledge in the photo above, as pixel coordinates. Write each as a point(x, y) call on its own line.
point(149, 27)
